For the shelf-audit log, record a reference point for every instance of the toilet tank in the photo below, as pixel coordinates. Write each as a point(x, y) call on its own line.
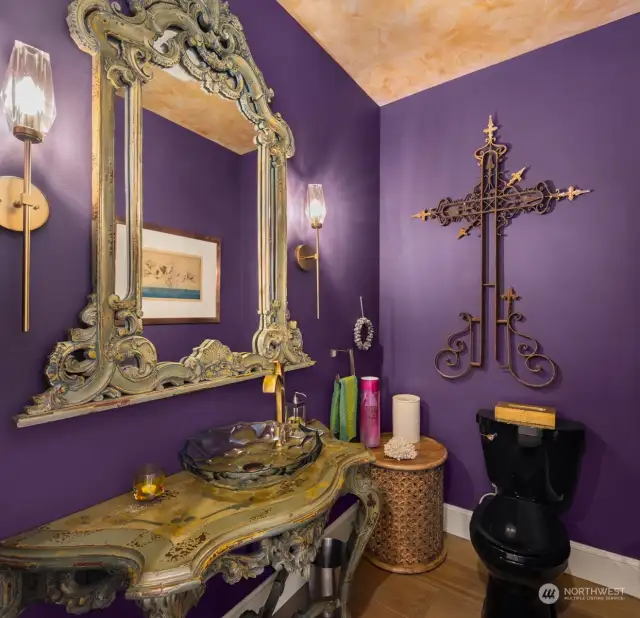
point(532, 463)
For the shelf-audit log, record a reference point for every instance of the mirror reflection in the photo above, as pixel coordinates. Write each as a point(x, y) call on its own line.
point(200, 216)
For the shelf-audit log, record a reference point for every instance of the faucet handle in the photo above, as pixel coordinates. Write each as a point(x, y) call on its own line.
point(270, 381)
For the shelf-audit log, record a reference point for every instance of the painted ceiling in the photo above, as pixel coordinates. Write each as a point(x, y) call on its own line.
point(394, 48)
point(175, 96)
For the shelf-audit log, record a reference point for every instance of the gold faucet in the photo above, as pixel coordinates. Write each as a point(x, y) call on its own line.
point(274, 384)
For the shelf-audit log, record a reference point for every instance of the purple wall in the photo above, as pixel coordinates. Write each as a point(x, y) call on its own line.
point(569, 111)
point(76, 463)
point(336, 130)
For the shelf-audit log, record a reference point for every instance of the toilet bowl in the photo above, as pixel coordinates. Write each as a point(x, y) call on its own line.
point(517, 532)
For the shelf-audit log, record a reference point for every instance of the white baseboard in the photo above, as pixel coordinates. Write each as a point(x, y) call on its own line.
point(456, 521)
point(339, 529)
point(595, 565)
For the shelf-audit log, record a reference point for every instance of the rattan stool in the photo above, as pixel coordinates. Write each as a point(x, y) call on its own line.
point(409, 537)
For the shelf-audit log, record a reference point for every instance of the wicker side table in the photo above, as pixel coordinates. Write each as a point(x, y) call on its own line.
point(409, 537)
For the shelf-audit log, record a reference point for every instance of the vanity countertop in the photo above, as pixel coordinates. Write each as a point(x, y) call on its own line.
point(176, 537)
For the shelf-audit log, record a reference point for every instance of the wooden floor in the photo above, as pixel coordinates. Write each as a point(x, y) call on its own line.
point(455, 590)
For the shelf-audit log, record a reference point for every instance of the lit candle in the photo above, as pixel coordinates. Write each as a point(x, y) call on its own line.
point(148, 483)
point(149, 489)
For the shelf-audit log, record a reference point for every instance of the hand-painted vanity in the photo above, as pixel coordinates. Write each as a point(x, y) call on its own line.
point(163, 552)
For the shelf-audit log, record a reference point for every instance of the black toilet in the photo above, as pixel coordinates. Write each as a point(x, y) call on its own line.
point(517, 532)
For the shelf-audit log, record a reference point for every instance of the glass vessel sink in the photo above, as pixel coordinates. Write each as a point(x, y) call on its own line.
point(250, 455)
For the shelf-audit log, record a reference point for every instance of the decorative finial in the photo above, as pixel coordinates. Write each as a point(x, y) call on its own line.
point(490, 130)
point(423, 215)
point(516, 177)
point(571, 193)
point(510, 296)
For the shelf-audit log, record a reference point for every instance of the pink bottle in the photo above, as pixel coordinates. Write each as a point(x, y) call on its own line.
point(370, 412)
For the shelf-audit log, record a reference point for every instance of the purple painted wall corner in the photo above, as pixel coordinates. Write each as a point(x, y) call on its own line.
point(568, 112)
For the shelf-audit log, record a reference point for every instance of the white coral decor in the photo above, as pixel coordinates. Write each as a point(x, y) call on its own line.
point(400, 448)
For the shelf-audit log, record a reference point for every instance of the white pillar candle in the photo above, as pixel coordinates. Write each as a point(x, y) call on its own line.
point(406, 417)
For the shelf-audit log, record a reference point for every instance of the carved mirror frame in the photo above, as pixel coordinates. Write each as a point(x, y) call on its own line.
point(109, 363)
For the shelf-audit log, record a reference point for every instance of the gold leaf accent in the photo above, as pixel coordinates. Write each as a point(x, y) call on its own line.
point(423, 215)
point(515, 177)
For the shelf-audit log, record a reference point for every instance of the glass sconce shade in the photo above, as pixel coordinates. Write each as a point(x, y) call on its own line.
point(316, 208)
point(27, 95)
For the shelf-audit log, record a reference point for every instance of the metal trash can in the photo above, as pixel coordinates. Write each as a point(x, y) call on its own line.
point(326, 570)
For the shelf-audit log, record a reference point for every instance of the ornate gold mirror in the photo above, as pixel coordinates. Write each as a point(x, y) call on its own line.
point(188, 63)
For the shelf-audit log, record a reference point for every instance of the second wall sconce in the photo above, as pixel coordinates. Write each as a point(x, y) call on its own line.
point(316, 211)
point(29, 107)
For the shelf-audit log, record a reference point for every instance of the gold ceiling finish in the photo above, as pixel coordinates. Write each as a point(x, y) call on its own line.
point(182, 100)
point(394, 48)
point(177, 96)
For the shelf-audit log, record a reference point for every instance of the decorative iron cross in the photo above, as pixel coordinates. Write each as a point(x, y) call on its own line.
point(495, 195)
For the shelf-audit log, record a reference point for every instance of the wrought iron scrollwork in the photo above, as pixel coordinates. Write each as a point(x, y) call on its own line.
point(452, 356)
point(528, 350)
point(501, 196)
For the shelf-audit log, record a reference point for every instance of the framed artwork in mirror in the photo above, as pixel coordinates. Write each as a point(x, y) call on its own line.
point(180, 274)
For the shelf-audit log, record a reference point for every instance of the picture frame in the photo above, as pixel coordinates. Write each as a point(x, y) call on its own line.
point(180, 274)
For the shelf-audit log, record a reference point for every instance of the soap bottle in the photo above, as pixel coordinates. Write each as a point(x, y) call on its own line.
point(297, 409)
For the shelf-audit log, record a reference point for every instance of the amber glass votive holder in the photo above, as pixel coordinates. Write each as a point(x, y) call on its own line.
point(148, 483)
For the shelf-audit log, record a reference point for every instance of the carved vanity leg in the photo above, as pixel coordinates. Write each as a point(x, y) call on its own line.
point(360, 486)
point(10, 594)
point(97, 591)
point(171, 606)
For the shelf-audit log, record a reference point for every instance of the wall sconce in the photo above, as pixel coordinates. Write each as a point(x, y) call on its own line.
point(29, 106)
point(316, 211)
